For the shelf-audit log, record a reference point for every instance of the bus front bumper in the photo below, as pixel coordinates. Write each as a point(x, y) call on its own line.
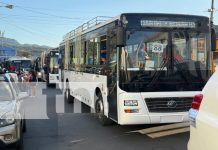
point(53, 78)
point(133, 119)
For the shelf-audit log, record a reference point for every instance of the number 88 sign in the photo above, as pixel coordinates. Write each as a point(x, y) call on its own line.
point(157, 48)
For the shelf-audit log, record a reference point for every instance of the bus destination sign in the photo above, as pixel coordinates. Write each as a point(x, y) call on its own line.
point(167, 24)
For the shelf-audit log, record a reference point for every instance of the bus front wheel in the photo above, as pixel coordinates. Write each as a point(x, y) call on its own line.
point(99, 109)
point(67, 96)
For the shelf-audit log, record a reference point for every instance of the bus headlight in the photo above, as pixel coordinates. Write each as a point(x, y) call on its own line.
point(130, 103)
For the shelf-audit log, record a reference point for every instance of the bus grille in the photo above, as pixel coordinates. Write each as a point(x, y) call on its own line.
point(166, 105)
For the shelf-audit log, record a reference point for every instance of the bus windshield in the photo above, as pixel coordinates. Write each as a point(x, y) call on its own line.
point(164, 61)
point(53, 65)
point(22, 64)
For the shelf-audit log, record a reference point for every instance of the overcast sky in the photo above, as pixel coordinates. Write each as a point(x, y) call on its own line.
point(45, 22)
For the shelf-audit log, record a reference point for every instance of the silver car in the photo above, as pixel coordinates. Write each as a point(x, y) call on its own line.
point(12, 123)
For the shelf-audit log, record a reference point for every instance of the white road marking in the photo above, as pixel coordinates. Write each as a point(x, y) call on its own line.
point(60, 104)
point(77, 106)
point(77, 141)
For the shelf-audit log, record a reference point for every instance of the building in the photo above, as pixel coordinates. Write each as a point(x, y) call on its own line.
point(6, 52)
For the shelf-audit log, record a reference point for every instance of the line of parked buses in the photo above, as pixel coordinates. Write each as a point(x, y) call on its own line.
point(127, 70)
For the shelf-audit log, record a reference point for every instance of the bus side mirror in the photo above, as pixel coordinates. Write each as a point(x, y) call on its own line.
point(213, 40)
point(120, 37)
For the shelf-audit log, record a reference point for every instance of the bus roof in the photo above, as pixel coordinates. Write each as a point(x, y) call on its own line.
point(166, 15)
point(100, 21)
point(92, 24)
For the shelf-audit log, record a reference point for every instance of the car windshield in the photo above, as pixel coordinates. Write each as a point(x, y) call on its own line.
point(158, 59)
point(5, 91)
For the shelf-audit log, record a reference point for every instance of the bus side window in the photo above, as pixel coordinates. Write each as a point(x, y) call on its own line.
point(71, 53)
point(103, 49)
point(113, 50)
point(84, 51)
point(96, 48)
point(89, 56)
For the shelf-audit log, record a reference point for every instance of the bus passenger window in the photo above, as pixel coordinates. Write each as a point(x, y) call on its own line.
point(89, 56)
point(103, 50)
point(96, 49)
point(113, 50)
point(71, 54)
point(84, 51)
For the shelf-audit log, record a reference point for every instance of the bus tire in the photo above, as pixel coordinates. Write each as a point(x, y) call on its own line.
point(68, 98)
point(99, 109)
point(47, 82)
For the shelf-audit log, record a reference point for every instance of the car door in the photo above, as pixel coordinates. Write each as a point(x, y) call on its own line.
point(207, 120)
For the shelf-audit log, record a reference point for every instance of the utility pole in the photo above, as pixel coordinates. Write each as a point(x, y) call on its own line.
point(211, 10)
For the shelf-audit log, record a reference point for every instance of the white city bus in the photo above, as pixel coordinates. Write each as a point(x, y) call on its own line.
point(21, 63)
point(49, 61)
point(138, 68)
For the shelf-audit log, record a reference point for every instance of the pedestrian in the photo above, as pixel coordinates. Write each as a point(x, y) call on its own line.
point(12, 67)
point(32, 82)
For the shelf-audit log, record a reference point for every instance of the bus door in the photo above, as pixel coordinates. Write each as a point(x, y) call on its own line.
point(112, 75)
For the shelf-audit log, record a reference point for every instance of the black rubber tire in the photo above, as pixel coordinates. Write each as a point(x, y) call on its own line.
point(68, 98)
point(99, 109)
point(24, 125)
point(47, 82)
point(19, 145)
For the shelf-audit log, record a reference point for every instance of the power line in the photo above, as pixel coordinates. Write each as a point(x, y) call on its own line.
point(26, 30)
point(38, 12)
point(43, 17)
point(65, 10)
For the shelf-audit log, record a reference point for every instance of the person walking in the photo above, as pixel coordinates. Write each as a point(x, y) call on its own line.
point(12, 67)
point(33, 82)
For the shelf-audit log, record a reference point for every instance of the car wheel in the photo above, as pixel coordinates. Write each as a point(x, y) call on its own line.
point(19, 144)
point(99, 108)
point(24, 125)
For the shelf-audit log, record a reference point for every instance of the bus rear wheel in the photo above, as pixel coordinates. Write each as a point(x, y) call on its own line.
point(99, 109)
point(67, 96)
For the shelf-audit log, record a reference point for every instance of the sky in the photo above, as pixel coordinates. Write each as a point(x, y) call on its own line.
point(45, 22)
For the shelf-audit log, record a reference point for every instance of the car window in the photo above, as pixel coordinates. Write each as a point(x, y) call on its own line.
point(5, 91)
point(15, 85)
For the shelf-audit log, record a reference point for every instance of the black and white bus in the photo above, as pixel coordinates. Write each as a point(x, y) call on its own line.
point(138, 68)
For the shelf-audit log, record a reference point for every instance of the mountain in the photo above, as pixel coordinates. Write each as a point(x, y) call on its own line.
point(9, 41)
point(31, 50)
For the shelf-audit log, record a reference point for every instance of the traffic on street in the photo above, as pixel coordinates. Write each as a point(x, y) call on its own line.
point(68, 127)
point(95, 78)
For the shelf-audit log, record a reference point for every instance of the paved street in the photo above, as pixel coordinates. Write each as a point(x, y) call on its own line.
point(82, 131)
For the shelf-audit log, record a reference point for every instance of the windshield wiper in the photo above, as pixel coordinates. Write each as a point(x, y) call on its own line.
point(156, 75)
point(184, 74)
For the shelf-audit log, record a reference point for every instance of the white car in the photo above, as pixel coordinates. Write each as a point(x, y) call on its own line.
point(204, 118)
point(12, 123)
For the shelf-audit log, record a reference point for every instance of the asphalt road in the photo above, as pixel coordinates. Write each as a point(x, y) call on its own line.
point(69, 129)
